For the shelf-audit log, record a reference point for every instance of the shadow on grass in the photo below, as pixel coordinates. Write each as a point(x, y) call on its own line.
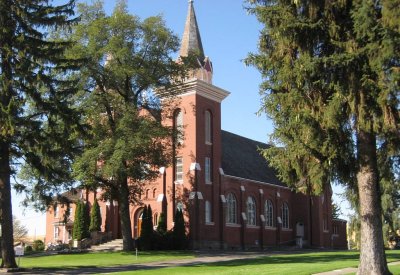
point(274, 259)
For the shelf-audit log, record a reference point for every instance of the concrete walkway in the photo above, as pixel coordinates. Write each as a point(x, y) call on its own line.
point(348, 270)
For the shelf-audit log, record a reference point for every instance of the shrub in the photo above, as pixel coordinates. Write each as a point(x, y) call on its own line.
point(38, 245)
point(28, 248)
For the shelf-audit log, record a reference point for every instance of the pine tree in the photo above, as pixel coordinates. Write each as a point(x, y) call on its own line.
point(128, 60)
point(95, 217)
point(37, 122)
point(331, 71)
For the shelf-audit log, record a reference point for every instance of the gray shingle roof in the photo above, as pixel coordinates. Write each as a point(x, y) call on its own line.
point(241, 158)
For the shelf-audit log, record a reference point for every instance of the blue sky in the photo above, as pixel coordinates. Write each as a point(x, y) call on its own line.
point(228, 34)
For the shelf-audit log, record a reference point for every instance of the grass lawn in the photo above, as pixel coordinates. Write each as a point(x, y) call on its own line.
point(99, 259)
point(296, 264)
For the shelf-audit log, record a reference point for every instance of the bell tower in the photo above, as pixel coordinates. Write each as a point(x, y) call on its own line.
point(199, 158)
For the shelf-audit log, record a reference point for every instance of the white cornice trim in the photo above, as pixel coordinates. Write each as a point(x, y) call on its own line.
point(204, 89)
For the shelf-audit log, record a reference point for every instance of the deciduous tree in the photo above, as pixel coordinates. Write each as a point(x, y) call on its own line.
point(128, 60)
point(331, 86)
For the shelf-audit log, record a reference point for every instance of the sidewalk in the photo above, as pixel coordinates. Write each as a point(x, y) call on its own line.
point(348, 270)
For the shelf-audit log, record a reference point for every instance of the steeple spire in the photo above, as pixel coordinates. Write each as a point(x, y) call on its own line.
point(191, 40)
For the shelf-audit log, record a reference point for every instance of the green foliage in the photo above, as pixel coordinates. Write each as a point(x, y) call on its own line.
point(162, 224)
point(319, 62)
point(38, 245)
point(95, 217)
point(128, 59)
point(331, 85)
point(146, 233)
point(81, 224)
point(38, 123)
point(179, 231)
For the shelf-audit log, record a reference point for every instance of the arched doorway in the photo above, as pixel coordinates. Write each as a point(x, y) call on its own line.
point(138, 222)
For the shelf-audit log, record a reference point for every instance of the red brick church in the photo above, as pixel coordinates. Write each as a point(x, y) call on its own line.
point(230, 197)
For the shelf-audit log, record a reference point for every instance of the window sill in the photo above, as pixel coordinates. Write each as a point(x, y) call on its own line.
point(287, 229)
point(210, 223)
point(326, 231)
point(270, 228)
point(178, 182)
point(253, 226)
point(209, 182)
point(232, 225)
point(208, 143)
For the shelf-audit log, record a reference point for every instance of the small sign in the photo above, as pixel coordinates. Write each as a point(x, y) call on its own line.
point(19, 251)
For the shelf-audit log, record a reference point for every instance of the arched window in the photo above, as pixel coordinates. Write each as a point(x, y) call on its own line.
point(154, 193)
point(208, 125)
point(231, 207)
point(269, 213)
point(251, 211)
point(178, 126)
point(155, 219)
point(208, 212)
point(147, 193)
point(285, 215)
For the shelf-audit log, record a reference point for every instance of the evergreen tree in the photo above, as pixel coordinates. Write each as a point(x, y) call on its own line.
point(77, 229)
point(179, 235)
point(86, 220)
point(162, 224)
point(143, 227)
point(146, 231)
point(36, 118)
point(150, 219)
point(81, 221)
point(331, 71)
point(128, 60)
point(95, 217)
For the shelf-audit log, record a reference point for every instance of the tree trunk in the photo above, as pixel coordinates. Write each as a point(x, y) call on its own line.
point(372, 254)
point(126, 228)
point(7, 240)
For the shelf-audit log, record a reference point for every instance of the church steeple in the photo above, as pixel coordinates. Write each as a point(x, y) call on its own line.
point(191, 40)
point(191, 43)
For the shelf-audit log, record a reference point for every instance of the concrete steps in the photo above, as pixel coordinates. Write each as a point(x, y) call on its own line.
point(114, 245)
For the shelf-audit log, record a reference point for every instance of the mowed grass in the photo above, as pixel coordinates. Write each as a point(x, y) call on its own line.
point(301, 263)
point(296, 264)
point(99, 259)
